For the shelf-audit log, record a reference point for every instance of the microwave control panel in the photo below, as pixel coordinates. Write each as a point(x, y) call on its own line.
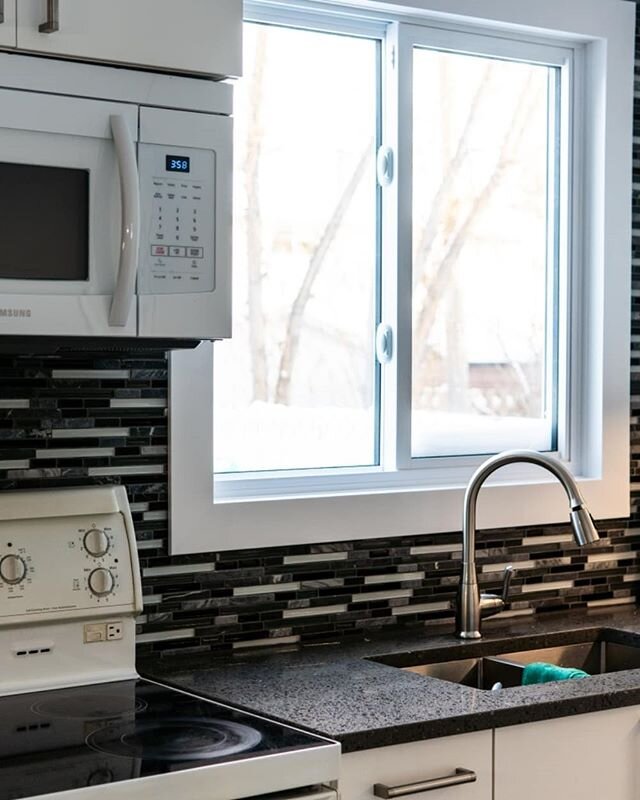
point(177, 198)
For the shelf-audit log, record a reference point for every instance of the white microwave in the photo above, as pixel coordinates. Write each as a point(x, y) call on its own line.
point(115, 207)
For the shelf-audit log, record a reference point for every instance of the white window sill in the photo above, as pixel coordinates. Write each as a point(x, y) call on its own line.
point(514, 497)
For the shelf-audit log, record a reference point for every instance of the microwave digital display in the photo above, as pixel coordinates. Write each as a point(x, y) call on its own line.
point(178, 164)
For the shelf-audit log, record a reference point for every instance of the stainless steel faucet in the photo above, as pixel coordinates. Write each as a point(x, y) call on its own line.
point(473, 606)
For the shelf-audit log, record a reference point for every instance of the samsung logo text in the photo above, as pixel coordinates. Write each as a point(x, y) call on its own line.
point(15, 312)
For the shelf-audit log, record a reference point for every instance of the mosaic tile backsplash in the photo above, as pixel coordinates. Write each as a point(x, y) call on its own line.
point(87, 420)
point(92, 420)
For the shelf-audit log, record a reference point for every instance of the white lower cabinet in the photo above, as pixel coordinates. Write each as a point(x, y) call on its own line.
point(421, 763)
point(584, 757)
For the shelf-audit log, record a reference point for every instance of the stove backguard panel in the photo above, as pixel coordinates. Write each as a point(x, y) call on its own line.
point(69, 588)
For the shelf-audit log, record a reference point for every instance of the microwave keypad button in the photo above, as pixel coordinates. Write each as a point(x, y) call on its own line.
point(176, 212)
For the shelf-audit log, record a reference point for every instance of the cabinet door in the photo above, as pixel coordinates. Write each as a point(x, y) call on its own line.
point(8, 23)
point(586, 757)
point(420, 762)
point(179, 35)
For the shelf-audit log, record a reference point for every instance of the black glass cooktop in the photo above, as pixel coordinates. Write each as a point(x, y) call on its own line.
point(71, 738)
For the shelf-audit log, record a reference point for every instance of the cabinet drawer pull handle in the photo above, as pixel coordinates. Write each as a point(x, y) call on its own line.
point(460, 776)
point(53, 18)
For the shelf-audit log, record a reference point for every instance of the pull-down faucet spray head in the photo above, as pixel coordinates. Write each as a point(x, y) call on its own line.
point(584, 531)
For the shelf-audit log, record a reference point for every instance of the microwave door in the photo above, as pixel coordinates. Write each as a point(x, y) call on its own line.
point(184, 278)
point(65, 167)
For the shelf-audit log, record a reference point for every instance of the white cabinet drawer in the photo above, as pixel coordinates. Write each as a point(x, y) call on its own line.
point(421, 762)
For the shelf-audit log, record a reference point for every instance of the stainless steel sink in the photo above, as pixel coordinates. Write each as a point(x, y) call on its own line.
point(481, 673)
point(603, 653)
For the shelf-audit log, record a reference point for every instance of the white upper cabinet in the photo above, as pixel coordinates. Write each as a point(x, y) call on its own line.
point(8, 23)
point(196, 36)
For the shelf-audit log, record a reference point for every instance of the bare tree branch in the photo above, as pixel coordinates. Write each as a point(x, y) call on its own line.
point(296, 315)
point(437, 208)
point(440, 281)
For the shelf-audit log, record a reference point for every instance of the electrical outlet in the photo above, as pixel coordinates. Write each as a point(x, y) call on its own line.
point(114, 631)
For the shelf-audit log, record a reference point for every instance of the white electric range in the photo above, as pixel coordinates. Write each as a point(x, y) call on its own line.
point(76, 721)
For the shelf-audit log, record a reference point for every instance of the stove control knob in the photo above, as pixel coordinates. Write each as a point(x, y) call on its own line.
point(101, 582)
point(12, 569)
point(96, 543)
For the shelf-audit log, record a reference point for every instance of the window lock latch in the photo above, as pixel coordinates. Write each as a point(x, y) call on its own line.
point(384, 343)
point(385, 166)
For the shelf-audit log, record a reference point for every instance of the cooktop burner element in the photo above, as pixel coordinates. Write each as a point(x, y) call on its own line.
point(67, 705)
point(111, 732)
point(175, 739)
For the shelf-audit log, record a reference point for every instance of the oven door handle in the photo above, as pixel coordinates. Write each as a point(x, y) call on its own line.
point(321, 793)
point(130, 232)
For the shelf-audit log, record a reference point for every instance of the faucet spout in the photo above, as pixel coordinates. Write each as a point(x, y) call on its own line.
point(472, 606)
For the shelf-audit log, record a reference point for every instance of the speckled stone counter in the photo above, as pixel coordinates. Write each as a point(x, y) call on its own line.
point(334, 690)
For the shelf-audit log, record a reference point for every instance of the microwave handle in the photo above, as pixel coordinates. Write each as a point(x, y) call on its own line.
point(130, 232)
point(1, 11)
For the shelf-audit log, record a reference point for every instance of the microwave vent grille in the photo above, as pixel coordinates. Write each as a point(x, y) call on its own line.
point(49, 345)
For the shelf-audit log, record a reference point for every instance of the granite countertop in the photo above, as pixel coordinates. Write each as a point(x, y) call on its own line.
point(333, 690)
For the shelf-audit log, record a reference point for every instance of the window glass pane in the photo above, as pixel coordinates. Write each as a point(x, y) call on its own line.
point(484, 255)
point(295, 388)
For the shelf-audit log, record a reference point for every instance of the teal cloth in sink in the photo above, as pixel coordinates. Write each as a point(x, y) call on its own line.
point(539, 672)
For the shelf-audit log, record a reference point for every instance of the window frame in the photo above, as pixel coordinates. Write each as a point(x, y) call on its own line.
point(307, 16)
point(403, 39)
point(370, 502)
